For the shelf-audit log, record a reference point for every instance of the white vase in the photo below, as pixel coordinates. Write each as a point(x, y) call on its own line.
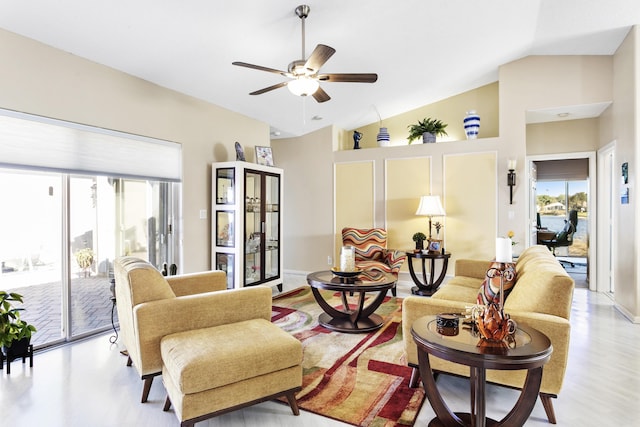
point(383, 138)
point(472, 124)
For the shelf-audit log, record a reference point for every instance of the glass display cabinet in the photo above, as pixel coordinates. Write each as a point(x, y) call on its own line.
point(247, 206)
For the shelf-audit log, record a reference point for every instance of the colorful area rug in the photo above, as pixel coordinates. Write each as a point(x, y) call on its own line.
point(360, 379)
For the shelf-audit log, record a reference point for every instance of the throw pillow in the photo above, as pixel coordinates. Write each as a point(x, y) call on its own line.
point(490, 289)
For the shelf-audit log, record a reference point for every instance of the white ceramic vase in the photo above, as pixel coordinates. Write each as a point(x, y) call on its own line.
point(472, 124)
point(383, 138)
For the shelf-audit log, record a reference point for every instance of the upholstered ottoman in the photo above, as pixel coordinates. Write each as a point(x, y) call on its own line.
point(210, 371)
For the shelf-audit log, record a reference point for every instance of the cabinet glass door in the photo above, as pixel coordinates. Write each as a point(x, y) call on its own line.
point(262, 227)
point(272, 227)
point(253, 228)
point(225, 181)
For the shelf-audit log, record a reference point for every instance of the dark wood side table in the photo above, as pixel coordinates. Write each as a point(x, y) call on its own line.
point(529, 350)
point(423, 286)
point(345, 319)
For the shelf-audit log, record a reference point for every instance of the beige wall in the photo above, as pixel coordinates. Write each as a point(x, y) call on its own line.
point(563, 137)
point(38, 79)
point(451, 111)
point(404, 173)
point(406, 180)
point(625, 117)
point(308, 217)
point(471, 202)
point(533, 83)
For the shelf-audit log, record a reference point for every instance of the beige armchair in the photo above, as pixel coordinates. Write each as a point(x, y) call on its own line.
point(371, 251)
point(151, 306)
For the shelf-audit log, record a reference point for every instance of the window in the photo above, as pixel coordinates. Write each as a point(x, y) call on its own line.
point(75, 199)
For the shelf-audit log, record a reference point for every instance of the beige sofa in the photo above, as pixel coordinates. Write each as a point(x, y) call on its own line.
point(151, 306)
point(541, 298)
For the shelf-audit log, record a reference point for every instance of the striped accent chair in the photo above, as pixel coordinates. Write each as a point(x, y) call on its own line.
point(371, 250)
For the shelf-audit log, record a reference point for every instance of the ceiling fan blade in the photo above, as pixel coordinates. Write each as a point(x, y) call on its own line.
point(320, 95)
point(260, 67)
point(319, 56)
point(268, 89)
point(351, 78)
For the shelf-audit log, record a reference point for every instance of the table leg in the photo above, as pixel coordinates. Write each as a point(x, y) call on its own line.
point(518, 415)
point(478, 405)
point(362, 319)
point(444, 415)
point(527, 400)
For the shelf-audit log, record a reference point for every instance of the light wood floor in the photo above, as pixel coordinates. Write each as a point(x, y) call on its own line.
point(87, 384)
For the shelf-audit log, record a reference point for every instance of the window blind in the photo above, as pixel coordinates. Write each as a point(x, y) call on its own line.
point(563, 170)
point(36, 142)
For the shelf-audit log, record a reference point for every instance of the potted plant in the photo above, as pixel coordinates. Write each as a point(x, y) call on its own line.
point(84, 258)
point(15, 333)
point(419, 238)
point(427, 129)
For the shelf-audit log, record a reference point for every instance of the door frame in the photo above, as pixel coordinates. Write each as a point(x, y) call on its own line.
point(607, 225)
point(592, 260)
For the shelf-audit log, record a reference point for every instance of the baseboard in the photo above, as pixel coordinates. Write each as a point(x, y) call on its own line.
point(626, 313)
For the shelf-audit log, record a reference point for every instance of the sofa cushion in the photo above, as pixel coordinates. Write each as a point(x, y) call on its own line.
point(490, 289)
point(453, 291)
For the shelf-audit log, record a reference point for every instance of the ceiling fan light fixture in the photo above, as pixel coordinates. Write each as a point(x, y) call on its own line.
point(303, 86)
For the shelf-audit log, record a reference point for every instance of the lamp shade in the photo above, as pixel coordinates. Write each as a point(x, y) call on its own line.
point(303, 86)
point(430, 206)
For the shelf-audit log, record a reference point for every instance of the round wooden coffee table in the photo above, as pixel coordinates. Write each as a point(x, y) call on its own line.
point(343, 318)
point(530, 350)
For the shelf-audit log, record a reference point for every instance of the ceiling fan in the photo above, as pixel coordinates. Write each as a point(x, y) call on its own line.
point(304, 74)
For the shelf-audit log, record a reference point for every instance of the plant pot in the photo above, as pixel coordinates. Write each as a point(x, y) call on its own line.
point(428, 138)
point(419, 245)
point(17, 349)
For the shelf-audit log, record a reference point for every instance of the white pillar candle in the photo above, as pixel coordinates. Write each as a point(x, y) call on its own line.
point(347, 259)
point(503, 250)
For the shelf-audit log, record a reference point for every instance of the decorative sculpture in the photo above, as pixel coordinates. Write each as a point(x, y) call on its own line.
point(356, 139)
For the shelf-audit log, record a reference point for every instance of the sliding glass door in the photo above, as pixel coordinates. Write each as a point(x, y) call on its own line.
point(31, 248)
point(63, 233)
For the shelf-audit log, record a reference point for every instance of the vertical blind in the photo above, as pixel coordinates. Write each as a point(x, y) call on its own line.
point(36, 142)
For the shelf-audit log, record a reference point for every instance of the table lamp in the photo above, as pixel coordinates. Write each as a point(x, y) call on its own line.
point(430, 206)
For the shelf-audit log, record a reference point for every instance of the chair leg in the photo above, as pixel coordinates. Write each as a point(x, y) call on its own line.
point(548, 407)
point(146, 388)
point(291, 398)
point(394, 290)
point(167, 404)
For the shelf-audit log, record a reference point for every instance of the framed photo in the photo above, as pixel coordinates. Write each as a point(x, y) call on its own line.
point(264, 156)
point(435, 245)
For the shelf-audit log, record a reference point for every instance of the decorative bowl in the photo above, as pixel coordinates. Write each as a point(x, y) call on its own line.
point(340, 273)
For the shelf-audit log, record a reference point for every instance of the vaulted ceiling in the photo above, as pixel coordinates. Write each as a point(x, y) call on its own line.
point(422, 50)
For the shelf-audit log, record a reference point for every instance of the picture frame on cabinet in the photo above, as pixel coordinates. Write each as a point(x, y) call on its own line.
point(264, 156)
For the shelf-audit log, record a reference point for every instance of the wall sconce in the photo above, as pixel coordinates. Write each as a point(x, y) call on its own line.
point(511, 179)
